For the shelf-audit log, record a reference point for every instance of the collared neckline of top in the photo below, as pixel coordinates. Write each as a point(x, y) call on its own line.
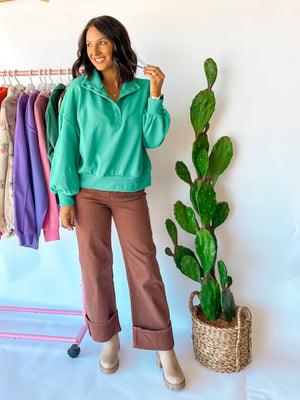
point(95, 84)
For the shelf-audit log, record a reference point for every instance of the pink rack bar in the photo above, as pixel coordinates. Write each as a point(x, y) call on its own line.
point(75, 340)
point(36, 72)
point(39, 310)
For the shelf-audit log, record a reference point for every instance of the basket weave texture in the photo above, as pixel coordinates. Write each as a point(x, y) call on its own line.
point(222, 349)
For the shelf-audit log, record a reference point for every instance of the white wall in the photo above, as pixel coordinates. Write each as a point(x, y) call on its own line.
point(255, 45)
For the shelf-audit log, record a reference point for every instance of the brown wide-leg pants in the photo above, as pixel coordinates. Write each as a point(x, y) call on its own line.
point(94, 210)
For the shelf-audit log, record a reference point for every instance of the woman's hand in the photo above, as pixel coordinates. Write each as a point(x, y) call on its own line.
point(156, 79)
point(66, 214)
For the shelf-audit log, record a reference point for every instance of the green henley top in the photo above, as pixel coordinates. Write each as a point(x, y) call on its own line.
point(102, 144)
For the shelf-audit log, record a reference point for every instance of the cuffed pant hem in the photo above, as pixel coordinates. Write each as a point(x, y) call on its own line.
point(153, 340)
point(102, 332)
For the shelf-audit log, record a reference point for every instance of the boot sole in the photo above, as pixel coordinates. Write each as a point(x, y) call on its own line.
point(172, 386)
point(109, 370)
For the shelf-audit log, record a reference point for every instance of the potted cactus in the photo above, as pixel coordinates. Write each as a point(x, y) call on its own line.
point(201, 220)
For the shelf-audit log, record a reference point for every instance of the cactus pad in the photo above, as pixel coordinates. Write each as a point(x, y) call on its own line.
point(206, 249)
point(183, 172)
point(227, 304)
point(202, 162)
point(202, 109)
point(191, 268)
point(201, 143)
point(210, 299)
point(211, 70)
point(220, 157)
point(172, 231)
point(222, 272)
point(180, 252)
point(185, 217)
point(222, 211)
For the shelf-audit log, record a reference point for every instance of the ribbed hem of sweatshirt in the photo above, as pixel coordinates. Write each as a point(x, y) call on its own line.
point(115, 183)
point(51, 234)
point(111, 183)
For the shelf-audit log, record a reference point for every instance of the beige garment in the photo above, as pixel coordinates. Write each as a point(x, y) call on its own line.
point(8, 114)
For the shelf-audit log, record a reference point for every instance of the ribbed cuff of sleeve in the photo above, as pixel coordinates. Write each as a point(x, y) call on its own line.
point(65, 200)
point(51, 234)
point(154, 106)
point(28, 240)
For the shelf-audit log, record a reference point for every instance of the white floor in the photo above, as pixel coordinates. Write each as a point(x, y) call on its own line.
point(36, 370)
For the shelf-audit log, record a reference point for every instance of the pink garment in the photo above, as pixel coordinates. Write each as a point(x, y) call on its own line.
point(51, 220)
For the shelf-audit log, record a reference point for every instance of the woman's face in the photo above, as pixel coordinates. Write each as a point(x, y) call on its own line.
point(99, 50)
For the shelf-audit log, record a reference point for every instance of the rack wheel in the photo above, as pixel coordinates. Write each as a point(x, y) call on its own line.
point(74, 351)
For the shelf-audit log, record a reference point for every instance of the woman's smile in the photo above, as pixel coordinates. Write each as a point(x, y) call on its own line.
point(99, 49)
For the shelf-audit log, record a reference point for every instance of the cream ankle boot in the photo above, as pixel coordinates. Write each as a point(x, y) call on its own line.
point(173, 375)
point(109, 361)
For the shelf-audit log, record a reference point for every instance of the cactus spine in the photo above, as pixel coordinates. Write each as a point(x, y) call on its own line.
point(208, 214)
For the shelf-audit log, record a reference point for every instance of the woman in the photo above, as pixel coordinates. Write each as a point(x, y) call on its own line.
point(100, 170)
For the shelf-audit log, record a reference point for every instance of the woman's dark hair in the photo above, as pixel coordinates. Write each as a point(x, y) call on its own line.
point(124, 58)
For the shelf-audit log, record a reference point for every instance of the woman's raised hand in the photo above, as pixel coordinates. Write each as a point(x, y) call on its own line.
point(156, 79)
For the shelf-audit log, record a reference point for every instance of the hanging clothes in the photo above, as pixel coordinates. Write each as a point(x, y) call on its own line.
point(30, 196)
point(3, 165)
point(3, 93)
point(8, 114)
point(22, 185)
point(51, 220)
point(28, 135)
point(3, 161)
point(52, 120)
point(39, 189)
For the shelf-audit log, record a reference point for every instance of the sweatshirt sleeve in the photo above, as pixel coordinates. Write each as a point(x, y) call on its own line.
point(25, 224)
point(64, 178)
point(52, 127)
point(156, 122)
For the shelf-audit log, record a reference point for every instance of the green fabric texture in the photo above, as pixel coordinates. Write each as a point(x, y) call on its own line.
point(51, 117)
point(102, 144)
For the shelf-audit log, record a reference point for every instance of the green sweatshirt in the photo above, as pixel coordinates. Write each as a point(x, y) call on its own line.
point(102, 144)
point(51, 117)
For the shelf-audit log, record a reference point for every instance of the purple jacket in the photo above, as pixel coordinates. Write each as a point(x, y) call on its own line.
point(30, 196)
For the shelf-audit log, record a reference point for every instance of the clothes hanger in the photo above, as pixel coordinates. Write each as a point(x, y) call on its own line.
point(60, 77)
point(5, 84)
point(18, 85)
point(68, 73)
point(3, 79)
point(42, 85)
point(9, 80)
point(45, 80)
point(30, 86)
point(51, 85)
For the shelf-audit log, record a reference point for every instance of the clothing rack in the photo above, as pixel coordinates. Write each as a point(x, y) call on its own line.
point(74, 350)
point(42, 71)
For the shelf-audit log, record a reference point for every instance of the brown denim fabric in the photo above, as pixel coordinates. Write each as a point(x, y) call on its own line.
point(94, 210)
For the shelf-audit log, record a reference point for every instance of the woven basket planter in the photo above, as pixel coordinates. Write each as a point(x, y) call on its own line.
point(221, 349)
